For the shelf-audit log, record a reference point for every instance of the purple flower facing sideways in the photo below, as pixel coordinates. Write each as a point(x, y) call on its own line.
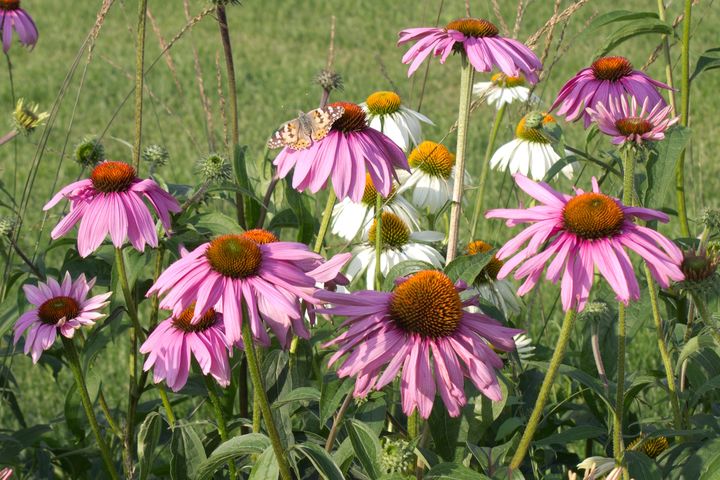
point(12, 17)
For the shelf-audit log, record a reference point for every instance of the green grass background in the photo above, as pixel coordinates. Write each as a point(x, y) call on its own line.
point(279, 46)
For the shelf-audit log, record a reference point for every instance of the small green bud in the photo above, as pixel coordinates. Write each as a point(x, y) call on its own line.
point(89, 152)
point(214, 168)
point(156, 155)
point(711, 219)
point(7, 226)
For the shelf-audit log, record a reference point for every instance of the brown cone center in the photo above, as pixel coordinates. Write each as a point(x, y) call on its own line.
point(593, 215)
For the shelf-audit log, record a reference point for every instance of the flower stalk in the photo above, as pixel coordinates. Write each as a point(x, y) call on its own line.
point(684, 113)
point(485, 168)
point(547, 384)
point(220, 418)
point(325, 223)
point(467, 73)
point(261, 398)
point(74, 362)
point(139, 79)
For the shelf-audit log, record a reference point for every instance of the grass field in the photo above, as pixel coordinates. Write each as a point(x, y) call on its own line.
point(279, 46)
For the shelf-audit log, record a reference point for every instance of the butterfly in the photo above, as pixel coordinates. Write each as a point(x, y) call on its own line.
point(300, 132)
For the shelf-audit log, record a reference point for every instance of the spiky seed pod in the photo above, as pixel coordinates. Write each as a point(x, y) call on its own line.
point(711, 219)
point(396, 457)
point(329, 80)
point(156, 155)
point(7, 226)
point(599, 311)
point(652, 447)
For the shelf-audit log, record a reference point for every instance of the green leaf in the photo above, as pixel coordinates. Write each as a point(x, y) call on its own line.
point(453, 471)
point(573, 434)
point(661, 167)
point(366, 446)
point(283, 219)
point(693, 346)
point(618, 16)
point(709, 60)
point(403, 269)
point(305, 218)
point(148, 438)
point(230, 450)
point(332, 393)
point(468, 267)
point(215, 223)
point(187, 451)
point(74, 416)
point(649, 24)
point(301, 394)
point(321, 460)
point(266, 467)
point(642, 467)
point(252, 207)
point(559, 165)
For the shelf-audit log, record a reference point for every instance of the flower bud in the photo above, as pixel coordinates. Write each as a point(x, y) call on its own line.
point(89, 152)
point(156, 155)
point(214, 168)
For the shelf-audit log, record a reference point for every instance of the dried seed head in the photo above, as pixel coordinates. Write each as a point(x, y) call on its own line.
point(156, 155)
point(329, 80)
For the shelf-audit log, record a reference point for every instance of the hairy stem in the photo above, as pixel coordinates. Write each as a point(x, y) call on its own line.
point(139, 79)
point(108, 416)
point(166, 405)
point(378, 241)
point(467, 73)
point(484, 170)
point(74, 361)
point(254, 369)
point(325, 223)
point(684, 113)
point(220, 418)
point(542, 398)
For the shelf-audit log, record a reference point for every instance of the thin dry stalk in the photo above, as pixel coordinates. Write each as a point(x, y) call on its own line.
point(498, 15)
point(654, 55)
point(532, 40)
point(331, 48)
point(163, 45)
point(209, 127)
point(427, 64)
point(519, 17)
point(99, 21)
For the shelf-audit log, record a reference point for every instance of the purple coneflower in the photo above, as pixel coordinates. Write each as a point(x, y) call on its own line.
point(607, 77)
point(421, 327)
point(584, 231)
point(176, 340)
point(624, 123)
point(350, 150)
point(269, 277)
point(111, 201)
point(59, 308)
point(12, 17)
point(485, 49)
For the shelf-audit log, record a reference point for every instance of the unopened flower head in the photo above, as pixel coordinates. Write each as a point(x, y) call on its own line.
point(89, 152)
point(26, 117)
point(7, 226)
point(214, 168)
point(711, 219)
point(598, 311)
point(701, 272)
point(156, 155)
point(329, 80)
point(477, 38)
point(652, 447)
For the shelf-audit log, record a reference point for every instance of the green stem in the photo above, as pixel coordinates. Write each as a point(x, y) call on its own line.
point(547, 384)
point(628, 155)
point(684, 113)
point(139, 78)
point(664, 353)
point(337, 421)
point(221, 425)
point(108, 416)
point(133, 390)
point(378, 241)
point(466, 84)
point(254, 369)
point(413, 426)
point(327, 214)
point(76, 369)
point(668, 61)
point(485, 168)
point(166, 405)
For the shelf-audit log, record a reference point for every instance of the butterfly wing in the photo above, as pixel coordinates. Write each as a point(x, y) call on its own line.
point(290, 134)
point(322, 119)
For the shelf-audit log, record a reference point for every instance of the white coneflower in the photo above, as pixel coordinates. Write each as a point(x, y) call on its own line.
point(349, 218)
point(398, 245)
point(387, 114)
point(596, 467)
point(500, 293)
point(531, 152)
point(432, 176)
point(504, 90)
